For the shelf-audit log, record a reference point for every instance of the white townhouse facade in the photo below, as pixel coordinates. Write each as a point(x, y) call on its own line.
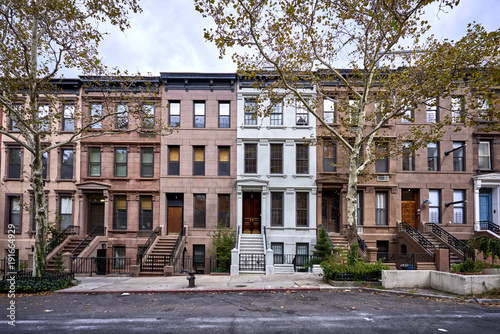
point(276, 174)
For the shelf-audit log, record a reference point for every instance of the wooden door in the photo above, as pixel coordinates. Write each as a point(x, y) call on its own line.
point(409, 207)
point(174, 219)
point(96, 216)
point(251, 212)
point(330, 211)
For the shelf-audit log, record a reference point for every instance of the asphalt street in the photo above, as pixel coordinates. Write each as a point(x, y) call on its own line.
point(351, 311)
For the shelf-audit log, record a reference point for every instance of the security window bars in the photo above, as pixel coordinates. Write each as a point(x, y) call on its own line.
point(434, 206)
point(199, 160)
point(67, 161)
point(173, 160)
point(250, 158)
point(120, 212)
point(175, 114)
point(199, 210)
point(94, 161)
point(119, 255)
point(276, 117)
point(250, 112)
point(121, 119)
point(120, 162)
point(276, 208)
point(302, 209)
point(458, 208)
point(433, 157)
point(276, 158)
point(458, 156)
point(302, 159)
point(68, 121)
point(224, 161)
point(381, 212)
point(145, 213)
point(147, 162)
point(278, 251)
point(199, 114)
point(224, 116)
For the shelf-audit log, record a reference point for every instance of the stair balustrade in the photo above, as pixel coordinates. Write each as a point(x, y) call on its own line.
point(418, 237)
point(488, 225)
point(98, 230)
point(149, 242)
point(451, 240)
point(70, 230)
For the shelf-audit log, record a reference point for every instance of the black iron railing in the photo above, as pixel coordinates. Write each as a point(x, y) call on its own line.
point(100, 265)
point(452, 241)
point(362, 247)
point(300, 262)
point(70, 230)
point(418, 237)
point(265, 239)
point(47, 277)
point(253, 262)
point(405, 261)
point(149, 242)
point(487, 225)
point(98, 230)
point(154, 262)
point(178, 242)
point(201, 265)
point(16, 266)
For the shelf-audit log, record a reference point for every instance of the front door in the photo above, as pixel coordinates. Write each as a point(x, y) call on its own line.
point(330, 211)
point(174, 219)
point(485, 213)
point(409, 207)
point(96, 213)
point(251, 212)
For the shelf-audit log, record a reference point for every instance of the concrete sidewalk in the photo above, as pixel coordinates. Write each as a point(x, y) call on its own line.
point(204, 283)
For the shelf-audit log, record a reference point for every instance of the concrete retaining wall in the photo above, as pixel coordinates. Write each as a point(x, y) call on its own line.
point(443, 281)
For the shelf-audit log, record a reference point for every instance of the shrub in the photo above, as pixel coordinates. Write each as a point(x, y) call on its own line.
point(470, 266)
point(37, 284)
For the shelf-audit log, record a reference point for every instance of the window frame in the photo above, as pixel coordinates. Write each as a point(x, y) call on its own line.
point(458, 156)
point(174, 165)
point(381, 208)
point(435, 207)
point(61, 197)
point(329, 162)
point(120, 216)
point(250, 111)
point(118, 164)
point(93, 163)
point(408, 115)
point(122, 117)
point(329, 108)
point(459, 207)
point(382, 164)
point(199, 212)
point(433, 159)
point(408, 158)
point(277, 208)
point(224, 167)
point(276, 158)
point(250, 158)
point(8, 213)
point(10, 165)
point(301, 115)
point(61, 152)
point(279, 252)
point(95, 113)
point(224, 216)
point(302, 209)
point(65, 121)
point(199, 165)
point(223, 124)
point(360, 208)
point(457, 108)
point(147, 165)
point(302, 159)
point(148, 116)
point(119, 256)
point(432, 111)
point(171, 116)
point(199, 117)
point(483, 157)
point(276, 114)
point(146, 216)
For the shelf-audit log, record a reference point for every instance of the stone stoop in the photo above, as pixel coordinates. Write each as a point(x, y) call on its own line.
point(339, 241)
point(163, 246)
point(251, 244)
point(70, 244)
point(437, 242)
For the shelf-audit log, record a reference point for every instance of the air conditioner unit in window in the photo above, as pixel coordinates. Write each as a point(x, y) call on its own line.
point(383, 178)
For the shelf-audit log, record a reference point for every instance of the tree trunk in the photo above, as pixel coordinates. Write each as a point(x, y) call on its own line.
point(352, 199)
point(40, 255)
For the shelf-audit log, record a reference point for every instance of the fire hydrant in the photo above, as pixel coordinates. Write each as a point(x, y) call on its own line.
point(191, 278)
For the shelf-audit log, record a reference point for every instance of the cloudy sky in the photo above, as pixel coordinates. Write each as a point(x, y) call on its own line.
point(168, 36)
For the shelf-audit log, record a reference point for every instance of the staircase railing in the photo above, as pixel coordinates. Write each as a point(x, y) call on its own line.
point(418, 237)
point(451, 240)
point(70, 230)
point(98, 230)
point(149, 242)
point(177, 243)
point(487, 225)
point(362, 247)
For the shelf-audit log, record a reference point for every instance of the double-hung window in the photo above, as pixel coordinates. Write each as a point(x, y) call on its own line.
point(276, 158)
point(145, 213)
point(224, 161)
point(250, 159)
point(408, 157)
point(12, 119)
point(45, 161)
point(67, 161)
point(175, 114)
point(276, 208)
point(432, 111)
point(121, 118)
point(382, 163)
point(200, 205)
point(147, 162)
point(278, 251)
point(224, 116)
point(433, 156)
point(14, 163)
point(276, 117)
point(199, 114)
point(224, 210)
point(250, 110)
point(458, 206)
point(173, 160)
point(199, 160)
point(148, 116)
point(95, 116)
point(329, 157)
point(328, 111)
point(458, 156)
point(360, 208)
point(66, 211)
point(457, 109)
point(434, 206)
point(302, 208)
point(408, 116)
point(302, 159)
point(43, 118)
point(120, 212)
point(14, 213)
point(301, 114)
point(484, 155)
point(68, 120)
point(94, 161)
point(381, 210)
point(120, 162)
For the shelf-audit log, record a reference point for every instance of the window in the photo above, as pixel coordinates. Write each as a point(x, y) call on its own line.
point(173, 160)
point(457, 109)
point(199, 160)
point(121, 119)
point(278, 251)
point(250, 112)
point(199, 114)
point(432, 111)
point(408, 116)
point(148, 116)
point(276, 208)
point(382, 163)
point(276, 158)
point(302, 212)
point(66, 211)
point(175, 114)
point(14, 162)
point(45, 159)
point(458, 156)
point(14, 212)
point(250, 158)
point(224, 161)
point(94, 161)
point(302, 255)
point(68, 121)
point(381, 208)
point(67, 163)
point(12, 125)
point(96, 116)
point(434, 206)
point(458, 208)
point(276, 116)
point(120, 162)
point(433, 157)
point(147, 162)
point(43, 118)
point(224, 120)
point(145, 213)
point(329, 157)
point(353, 112)
point(328, 111)
point(301, 114)
point(484, 155)
point(120, 212)
point(359, 196)
point(199, 257)
point(302, 159)
point(484, 110)
point(199, 210)
point(224, 206)
point(119, 255)
point(408, 157)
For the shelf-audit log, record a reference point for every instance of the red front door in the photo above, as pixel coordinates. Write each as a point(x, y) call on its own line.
point(251, 212)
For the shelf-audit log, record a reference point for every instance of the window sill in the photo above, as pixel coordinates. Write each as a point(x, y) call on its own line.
point(65, 180)
point(276, 127)
point(302, 176)
point(277, 176)
point(250, 127)
point(13, 179)
point(302, 127)
point(66, 132)
point(149, 178)
point(119, 178)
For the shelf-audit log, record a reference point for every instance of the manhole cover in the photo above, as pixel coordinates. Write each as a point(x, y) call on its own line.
point(241, 286)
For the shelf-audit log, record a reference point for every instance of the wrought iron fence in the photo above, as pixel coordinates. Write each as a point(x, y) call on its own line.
point(300, 262)
point(47, 277)
point(405, 261)
point(417, 236)
point(253, 262)
point(487, 225)
point(451, 240)
point(201, 265)
point(100, 265)
point(154, 262)
point(17, 266)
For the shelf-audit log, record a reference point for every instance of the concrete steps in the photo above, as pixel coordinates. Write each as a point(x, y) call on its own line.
point(438, 242)
point(339, 241)
point(70, 244)
point(252, 255)
point(251, 244)
point(161, 252)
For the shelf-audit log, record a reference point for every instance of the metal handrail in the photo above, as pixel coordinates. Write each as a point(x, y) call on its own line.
point(70, 230)
point(450, 239)
point(98, 230)
point(362, 246)
point(418, 237)
point(488, 225)
point(177, 243)
point(148, 243)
